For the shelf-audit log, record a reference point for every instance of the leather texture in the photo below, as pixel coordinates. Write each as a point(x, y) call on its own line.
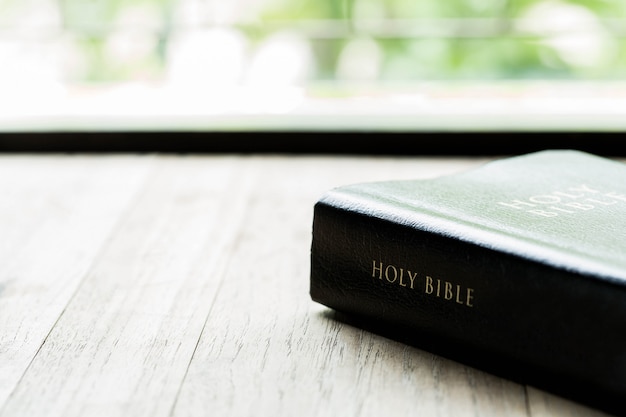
point(517, 267)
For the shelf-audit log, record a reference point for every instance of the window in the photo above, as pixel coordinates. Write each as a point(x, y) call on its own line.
point(145, 58)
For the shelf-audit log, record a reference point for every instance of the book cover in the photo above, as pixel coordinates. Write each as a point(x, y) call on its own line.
point(517, 267)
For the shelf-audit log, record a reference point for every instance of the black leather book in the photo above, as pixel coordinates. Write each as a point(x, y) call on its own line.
point(517, 267)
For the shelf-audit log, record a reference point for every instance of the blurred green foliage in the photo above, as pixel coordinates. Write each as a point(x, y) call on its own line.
point(347, 40)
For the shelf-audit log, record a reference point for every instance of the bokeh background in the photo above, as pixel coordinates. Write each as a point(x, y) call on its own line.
point(204, 43)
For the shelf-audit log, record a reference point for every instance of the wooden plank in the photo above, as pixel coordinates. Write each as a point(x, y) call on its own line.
point(122, 345)
point(267, 349)
point(55, 214)
point(179, 286)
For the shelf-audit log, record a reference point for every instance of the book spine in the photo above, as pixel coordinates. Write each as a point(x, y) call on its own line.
point(511, 316)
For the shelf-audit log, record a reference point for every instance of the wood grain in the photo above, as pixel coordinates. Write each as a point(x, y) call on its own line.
point(178, 286)
point(56, 214)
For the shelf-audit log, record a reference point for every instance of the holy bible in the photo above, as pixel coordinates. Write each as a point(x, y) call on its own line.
point(517, 267)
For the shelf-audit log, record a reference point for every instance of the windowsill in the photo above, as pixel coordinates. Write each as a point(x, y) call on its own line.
point(417, 107)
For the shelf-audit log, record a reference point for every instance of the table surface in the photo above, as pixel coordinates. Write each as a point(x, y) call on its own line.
point(171, 285)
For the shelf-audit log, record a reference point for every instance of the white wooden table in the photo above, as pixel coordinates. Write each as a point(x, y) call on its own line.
point(178, 285)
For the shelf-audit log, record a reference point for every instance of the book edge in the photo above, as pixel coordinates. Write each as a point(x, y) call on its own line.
point(493, 239)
